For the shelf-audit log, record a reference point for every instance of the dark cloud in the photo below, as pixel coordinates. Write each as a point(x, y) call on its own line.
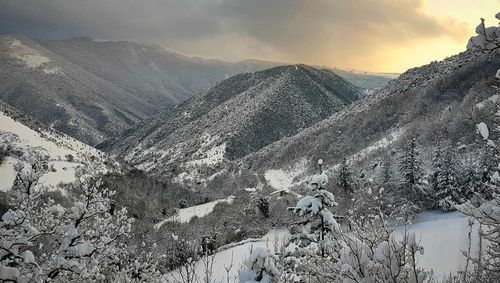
point(300, 29)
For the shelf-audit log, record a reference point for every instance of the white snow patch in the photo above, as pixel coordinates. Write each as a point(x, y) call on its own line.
point(31, 57)
point(184, 215)
point(13, 132)
point(237, 254)
point(443, 236)
point(51, 144)
point(7, 174)
point(280, 179)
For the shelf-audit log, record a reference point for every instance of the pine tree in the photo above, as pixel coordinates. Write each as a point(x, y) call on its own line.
point(409, 166)
point(448, 189)
point(386, 171)
point(412, 180)
point(346, 177)
point(315, 244)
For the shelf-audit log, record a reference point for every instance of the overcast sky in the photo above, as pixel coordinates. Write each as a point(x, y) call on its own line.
point(373, 35)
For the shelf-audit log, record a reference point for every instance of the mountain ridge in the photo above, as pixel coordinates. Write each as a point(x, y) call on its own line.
point(236, 117)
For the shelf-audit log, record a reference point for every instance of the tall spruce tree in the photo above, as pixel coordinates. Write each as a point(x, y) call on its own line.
point(448, 191)
point(346, 177)
point(410, 168)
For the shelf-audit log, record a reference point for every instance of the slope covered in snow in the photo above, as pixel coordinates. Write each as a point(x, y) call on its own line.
point(94, 89)
point(435, 102)
point(22, 137)
point(234, 118)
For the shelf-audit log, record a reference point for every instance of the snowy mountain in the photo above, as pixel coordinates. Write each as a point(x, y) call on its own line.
point(437, 103)
point(234, 118)
point(22, 138)
point(92, 89)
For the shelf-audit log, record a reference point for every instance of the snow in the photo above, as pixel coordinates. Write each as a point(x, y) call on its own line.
point(14, 132)
point(380, 144)
point(443, 236)
point(56, 146)
point(280, 179)
point(185, 214)
point(274, 241)
point(31, 58)
point(7, 174)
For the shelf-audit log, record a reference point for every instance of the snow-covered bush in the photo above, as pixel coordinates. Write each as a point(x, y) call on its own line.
point(41, 240)
point(487, 213)
point(373, 252)
point(260, 266)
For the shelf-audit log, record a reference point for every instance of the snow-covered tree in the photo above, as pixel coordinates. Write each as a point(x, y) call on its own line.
point(412, 179)
point(313, 249)
point(41, 240)
point(346, 179)
point(487, 213)
point(386, 171)
point(373, 252)
point(260, 266)
point(448, 190)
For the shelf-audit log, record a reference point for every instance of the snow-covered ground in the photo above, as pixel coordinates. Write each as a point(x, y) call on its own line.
point(31, 58)
point(185, 214)
point(57, 147)
point(283, 179)
point(444, 236)
point(232, 259)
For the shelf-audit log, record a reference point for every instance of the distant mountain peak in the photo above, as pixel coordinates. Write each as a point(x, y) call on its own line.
point(235, 117)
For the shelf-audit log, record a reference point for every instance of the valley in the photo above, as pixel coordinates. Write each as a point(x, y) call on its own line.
point(128, 161)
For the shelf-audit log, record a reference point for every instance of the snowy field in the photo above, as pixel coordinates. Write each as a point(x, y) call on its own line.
point(185, 214)
point(443, 236)
point(228, 262)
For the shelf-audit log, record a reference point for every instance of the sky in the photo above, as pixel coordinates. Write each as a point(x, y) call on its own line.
point(369, 35)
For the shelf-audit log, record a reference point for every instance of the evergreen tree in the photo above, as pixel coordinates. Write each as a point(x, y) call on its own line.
point(386, 171)
point(412, 180)
point(447, 187)
point(488, 166)
point(346, 177)
point(315, 243)
point(410, 166)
